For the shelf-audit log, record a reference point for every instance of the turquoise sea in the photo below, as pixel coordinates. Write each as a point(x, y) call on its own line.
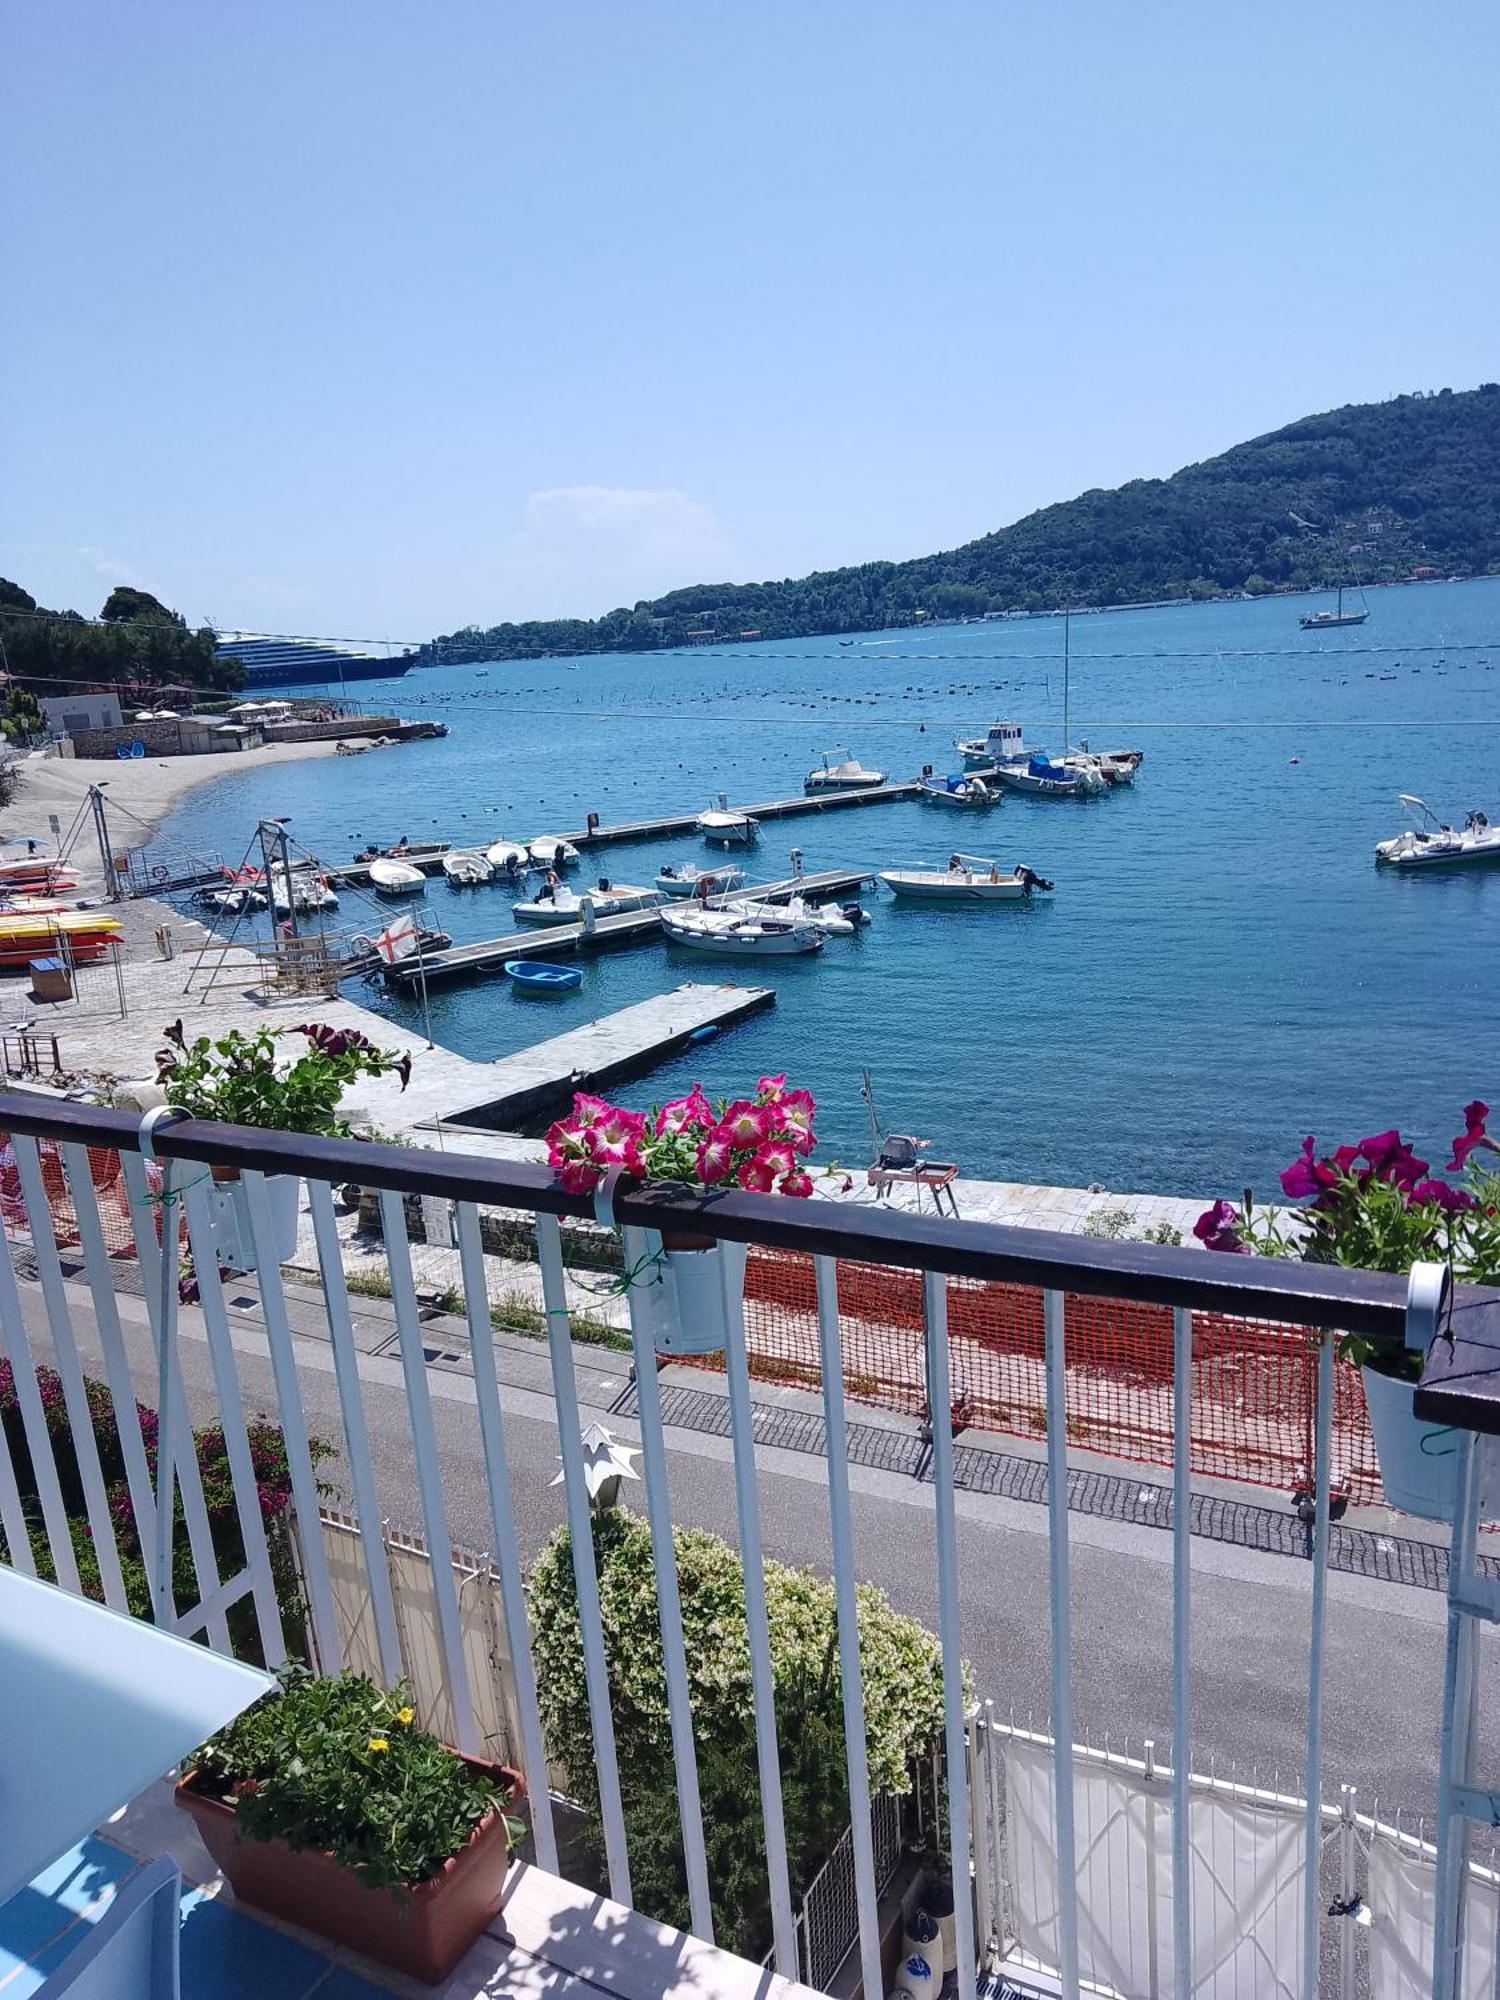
point(1221, 970)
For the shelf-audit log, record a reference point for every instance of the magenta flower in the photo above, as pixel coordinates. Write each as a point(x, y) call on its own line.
point(1441, 1194)
point(1472, 1136)
point(1302, 1177)
point(1391, 1159)
point(578, 1176)
point(694, 1109)
point(779, 1157)
point(589, 1110)
point(797, 1182)
point(715, 1158)
point(757, 1176)
point(616, 1132)
point(745, 1125)
point(1218, 1228)
point(770, 1089)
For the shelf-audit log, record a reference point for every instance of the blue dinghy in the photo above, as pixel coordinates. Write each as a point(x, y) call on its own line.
point(534, 975)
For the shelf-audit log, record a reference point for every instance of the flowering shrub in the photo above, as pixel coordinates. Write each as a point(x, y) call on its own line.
point(1376, 1206)
point(237, 1079)
point(759, 1142)
point(337, 1763)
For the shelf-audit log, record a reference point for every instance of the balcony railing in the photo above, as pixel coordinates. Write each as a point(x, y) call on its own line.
point(73, 1162)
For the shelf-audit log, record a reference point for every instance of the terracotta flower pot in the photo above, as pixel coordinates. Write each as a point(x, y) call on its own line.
point(422, 1931)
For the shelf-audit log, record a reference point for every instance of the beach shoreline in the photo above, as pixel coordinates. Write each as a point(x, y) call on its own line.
point(145, 787)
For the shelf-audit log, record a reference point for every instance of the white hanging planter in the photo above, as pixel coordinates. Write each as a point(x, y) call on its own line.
point(234, 1241)
point(1418, 1461)
point(702, 1286)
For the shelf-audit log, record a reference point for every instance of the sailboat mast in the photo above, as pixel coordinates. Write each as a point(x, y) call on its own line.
point(1067, 658)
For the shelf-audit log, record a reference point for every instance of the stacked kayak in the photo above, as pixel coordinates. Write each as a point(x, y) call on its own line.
point(83, 934)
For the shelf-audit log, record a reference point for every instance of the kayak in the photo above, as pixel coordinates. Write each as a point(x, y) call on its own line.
point(534, 975)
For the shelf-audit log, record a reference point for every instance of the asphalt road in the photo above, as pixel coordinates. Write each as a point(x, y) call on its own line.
point(1249, 1610)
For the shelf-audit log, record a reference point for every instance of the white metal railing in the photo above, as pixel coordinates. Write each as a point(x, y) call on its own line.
point(56, 1148)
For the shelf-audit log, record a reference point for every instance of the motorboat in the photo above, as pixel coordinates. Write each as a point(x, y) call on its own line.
point(535, 975)
point(758, 933)
point(396, 878)
point(1431, 843)
point(549, 850)
point(1117, 767)
point(833, 919)
point(957, 789)
point(237, 902)
point(841, 771)
point(726, 828)
point(559, 905)
point(686, 878)
point(1001, 744)
point(1040, 778)
point(967, 878)
point(81, 934)
point(466, 867)
point(309, 893)
point(510, 857)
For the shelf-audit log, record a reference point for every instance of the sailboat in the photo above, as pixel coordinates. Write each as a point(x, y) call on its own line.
point(1072, 776)
point(1328, 621)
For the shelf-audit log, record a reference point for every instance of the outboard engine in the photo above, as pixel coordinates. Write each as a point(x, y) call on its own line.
point(857, 914)
point(1029, 879)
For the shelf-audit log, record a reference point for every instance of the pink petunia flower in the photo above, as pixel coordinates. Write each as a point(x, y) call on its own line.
point(778, 1156)
point(745, 1124)
point(579, 1176)
point(1391, 1159)
point(1472, 1136)
point(589, 1110)
point(683, 1112)
point(796, 1183)
point(1441, 1194)
point(756, 1176)
point(715, 1158)
point(1218, 1228)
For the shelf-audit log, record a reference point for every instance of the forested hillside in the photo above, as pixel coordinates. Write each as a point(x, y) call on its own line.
point(1366, 494)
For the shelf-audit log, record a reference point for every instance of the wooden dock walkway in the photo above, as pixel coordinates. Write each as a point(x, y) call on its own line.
point(540, 1081)
point(631, 927)
point(428, 856)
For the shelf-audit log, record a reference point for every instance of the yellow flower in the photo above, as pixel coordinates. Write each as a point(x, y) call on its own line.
point(378, 1743)
point(406, 1715)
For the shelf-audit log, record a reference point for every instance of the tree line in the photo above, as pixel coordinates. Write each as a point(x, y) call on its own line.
point(135, 638)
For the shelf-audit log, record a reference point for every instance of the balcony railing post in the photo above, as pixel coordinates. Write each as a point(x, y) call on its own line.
point(1455, 1752)
point(831, 1357)
point(585, 1574)
point(503, 1528)
point(1311, 1905)
point(1062, 1641)
point(940, 1406)
point(17, 1349)
point(1182, 1576)
point(642, 1249)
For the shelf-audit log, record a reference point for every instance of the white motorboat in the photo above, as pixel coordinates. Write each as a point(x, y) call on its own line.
point(1001, 744)
point(1117, 767)
point(957, 789)
point(760, 934)
point(396, 878)
point(309, 893)
point(1039, 778)
point(466, 868)
point(548, 850)
point(841, 771)
point(237, 901)
point(726, 828)
point(968, 878)
point(569, 906)
point(1433, 844)
point(830, 918)
point(509, 856)
point(686, 878)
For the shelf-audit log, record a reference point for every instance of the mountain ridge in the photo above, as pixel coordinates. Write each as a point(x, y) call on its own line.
point(1368, 493)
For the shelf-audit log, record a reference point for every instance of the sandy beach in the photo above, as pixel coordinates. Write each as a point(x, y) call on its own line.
point(147, 787)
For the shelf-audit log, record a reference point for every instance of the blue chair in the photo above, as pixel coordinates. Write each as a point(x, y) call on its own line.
point(131, 1953)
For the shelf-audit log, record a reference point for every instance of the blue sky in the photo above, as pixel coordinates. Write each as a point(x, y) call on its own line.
point(361, 317)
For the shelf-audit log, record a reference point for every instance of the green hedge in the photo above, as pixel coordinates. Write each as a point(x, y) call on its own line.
point(902, 1672)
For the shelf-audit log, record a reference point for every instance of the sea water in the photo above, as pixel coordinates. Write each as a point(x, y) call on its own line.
point(1221, 969)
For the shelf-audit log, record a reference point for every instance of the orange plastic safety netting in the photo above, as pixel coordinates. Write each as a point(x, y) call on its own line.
point(1253, 1392)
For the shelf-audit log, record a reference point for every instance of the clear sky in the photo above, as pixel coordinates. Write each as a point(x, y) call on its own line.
point(366, 317)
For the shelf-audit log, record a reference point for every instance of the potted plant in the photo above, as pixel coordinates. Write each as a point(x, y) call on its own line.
point(325, 1806)
point(760, 1143)
point(244, 1079)
point(1377, 1207)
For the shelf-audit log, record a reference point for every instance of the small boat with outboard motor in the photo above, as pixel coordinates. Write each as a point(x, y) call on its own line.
point(965, 789)
point(549, 850)
point(467, 867)
point(535, 975)
point(726, 828)
point(966, 878)
point(1432, 843)
point(1116, 767)
point(841, 771)
point(833, 919)
point(1040, 778)
point(685, 878)
point(508, 857)
point(555, 903)
point(759, 932)
point(396, 878)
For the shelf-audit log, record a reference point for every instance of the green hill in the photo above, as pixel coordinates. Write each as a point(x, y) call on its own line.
point(135, 640)
point(1366, 494)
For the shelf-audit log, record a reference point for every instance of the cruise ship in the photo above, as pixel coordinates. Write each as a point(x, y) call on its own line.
point(305, 662)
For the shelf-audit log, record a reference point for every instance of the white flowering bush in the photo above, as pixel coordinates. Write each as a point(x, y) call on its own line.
point(901, 1666)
